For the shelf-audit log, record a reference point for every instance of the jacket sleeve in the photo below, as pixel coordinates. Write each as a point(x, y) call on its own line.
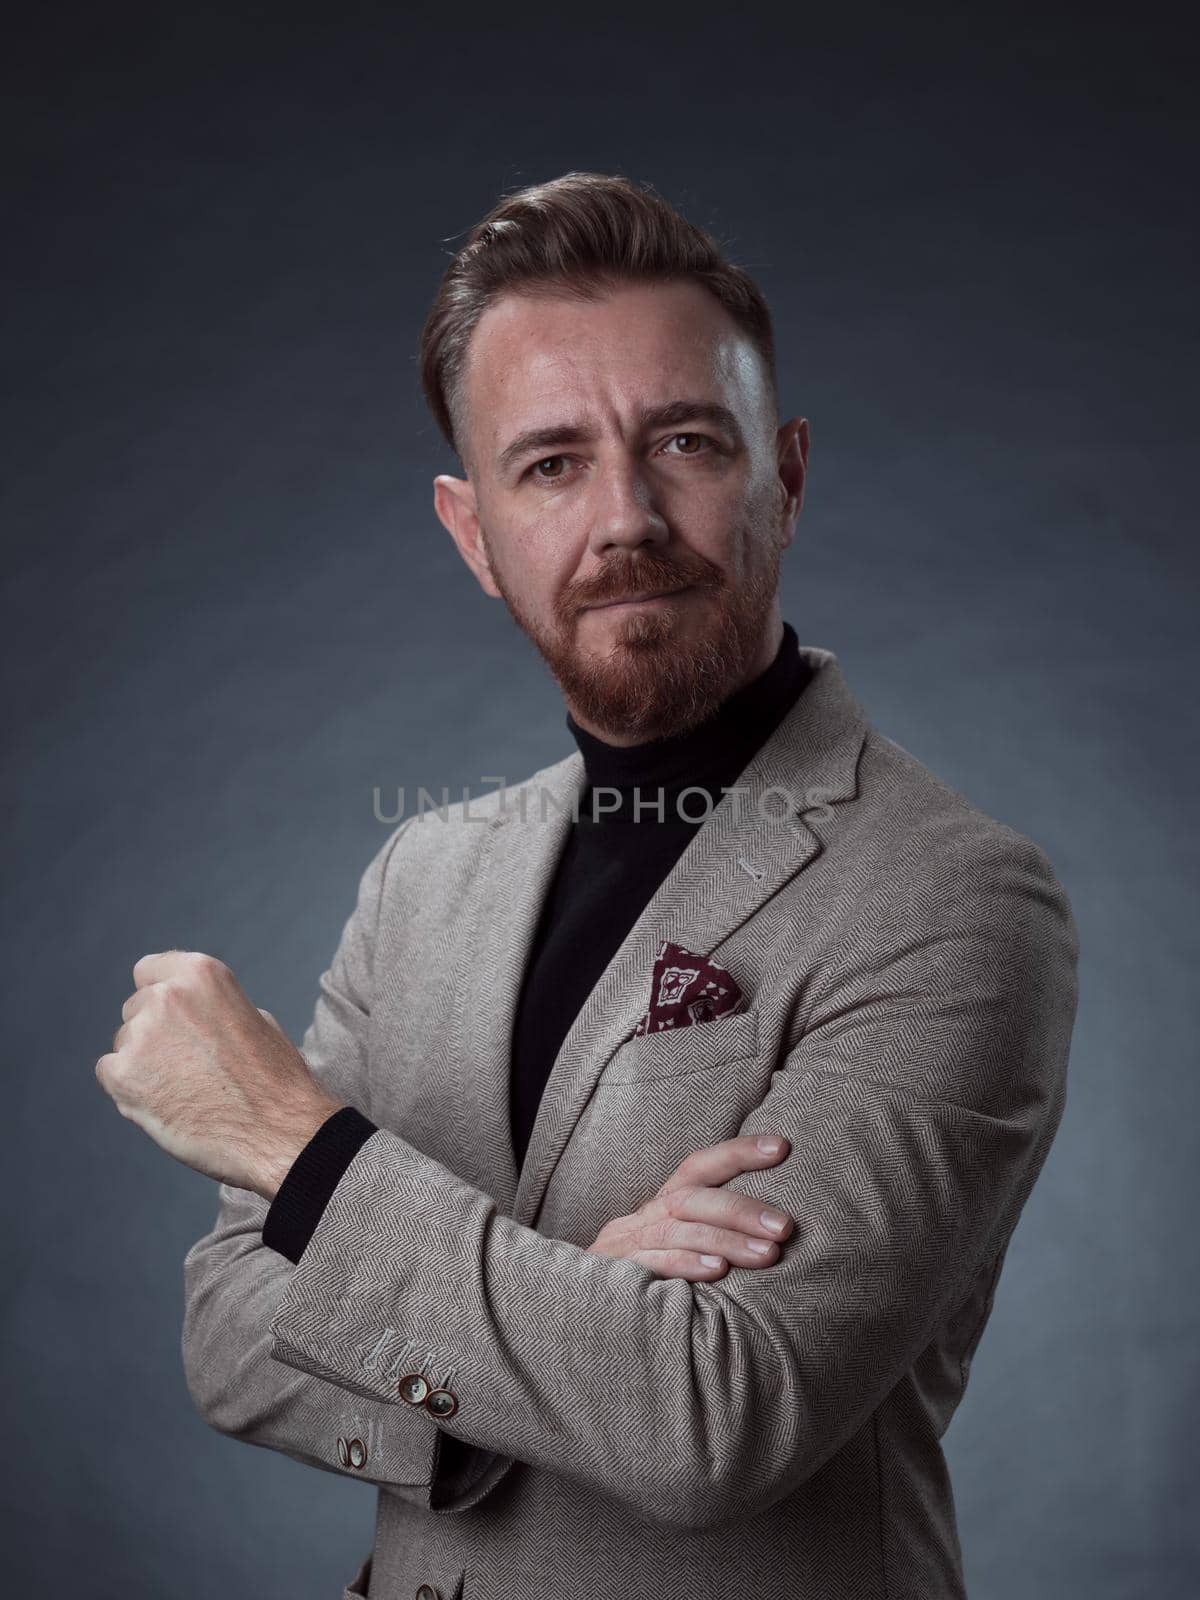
point(311, 1179)
point(233, 1281)
point(920, 1102)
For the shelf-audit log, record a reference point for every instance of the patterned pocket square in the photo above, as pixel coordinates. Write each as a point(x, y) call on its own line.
point(687, 988)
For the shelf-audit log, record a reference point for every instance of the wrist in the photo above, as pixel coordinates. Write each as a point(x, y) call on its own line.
point(277, 1162)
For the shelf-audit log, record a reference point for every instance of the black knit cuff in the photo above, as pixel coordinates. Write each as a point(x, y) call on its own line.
point(311, 1179)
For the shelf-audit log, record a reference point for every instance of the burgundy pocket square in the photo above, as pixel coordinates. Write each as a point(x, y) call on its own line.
point(687, 988)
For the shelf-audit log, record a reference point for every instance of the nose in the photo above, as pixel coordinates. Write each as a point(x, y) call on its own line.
point(624, 511)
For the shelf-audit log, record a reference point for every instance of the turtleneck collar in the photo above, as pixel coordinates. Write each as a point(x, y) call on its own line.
point(717, 749)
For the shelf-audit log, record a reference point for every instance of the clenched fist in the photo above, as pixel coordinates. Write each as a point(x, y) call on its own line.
point(213, 1080)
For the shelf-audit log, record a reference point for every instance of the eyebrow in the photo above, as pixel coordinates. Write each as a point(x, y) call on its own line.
point(670, 415)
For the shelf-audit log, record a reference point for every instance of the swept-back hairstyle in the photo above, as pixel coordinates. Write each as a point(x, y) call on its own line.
point(579, 236)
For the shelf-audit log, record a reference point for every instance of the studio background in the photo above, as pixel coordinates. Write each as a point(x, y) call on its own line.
point(231, 614)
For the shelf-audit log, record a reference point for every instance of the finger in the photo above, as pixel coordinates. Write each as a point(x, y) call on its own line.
point(725, 1209)
point(134, 1004)
point(679, 1264)
point(715, 1164)
point(745, 1249)
point(153, 968)
point(175, 963)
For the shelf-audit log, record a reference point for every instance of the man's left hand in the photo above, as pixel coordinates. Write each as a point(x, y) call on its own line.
point(212, 1079)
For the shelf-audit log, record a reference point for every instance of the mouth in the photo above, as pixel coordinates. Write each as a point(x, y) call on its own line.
point(639, 600)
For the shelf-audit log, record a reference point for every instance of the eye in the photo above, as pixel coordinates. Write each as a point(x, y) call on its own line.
point(701, 437)
point(535, 470)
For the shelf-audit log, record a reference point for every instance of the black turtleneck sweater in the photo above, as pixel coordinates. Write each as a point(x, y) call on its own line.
point(611, 866)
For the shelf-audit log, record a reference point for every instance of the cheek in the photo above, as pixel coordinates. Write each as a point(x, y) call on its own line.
point(546, 555)
point(729, 547)
point(531, 575)
point(753, 548)
point(720, 524)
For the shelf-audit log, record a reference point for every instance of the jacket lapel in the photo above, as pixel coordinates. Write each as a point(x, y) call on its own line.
point(732, 866)
point(524, 845)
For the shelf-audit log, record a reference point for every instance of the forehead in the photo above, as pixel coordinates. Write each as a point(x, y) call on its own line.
point(539, 358)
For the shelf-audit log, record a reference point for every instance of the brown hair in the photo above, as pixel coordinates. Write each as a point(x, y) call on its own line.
point(579, 235)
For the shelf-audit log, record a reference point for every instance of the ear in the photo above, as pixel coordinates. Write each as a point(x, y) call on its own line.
point(792, 446)
point(454, 502)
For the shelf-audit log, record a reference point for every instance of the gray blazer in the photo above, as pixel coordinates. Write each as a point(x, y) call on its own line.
point(541, 1422)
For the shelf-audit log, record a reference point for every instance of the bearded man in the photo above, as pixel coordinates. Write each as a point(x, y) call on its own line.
point(634, 1205)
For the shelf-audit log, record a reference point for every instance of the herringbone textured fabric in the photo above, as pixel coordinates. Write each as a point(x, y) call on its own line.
point(909, 967)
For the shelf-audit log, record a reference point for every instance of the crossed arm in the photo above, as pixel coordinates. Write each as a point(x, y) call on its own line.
point(919, 1104)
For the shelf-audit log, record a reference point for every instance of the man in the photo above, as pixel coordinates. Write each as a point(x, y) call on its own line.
point(736, 909)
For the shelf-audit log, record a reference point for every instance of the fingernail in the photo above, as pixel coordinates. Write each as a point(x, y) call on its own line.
point(769, 1220)
point(770, 1147)
point(711, 1261)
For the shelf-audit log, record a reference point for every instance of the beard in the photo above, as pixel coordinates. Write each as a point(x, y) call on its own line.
point(654, 680)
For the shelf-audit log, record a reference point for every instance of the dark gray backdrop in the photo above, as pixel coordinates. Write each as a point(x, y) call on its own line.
point(231, 613)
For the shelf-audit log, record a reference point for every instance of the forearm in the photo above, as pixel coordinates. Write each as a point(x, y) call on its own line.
point(234, 1280)
point(233, 1284)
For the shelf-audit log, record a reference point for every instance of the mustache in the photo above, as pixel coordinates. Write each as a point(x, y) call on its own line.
point(640, 575)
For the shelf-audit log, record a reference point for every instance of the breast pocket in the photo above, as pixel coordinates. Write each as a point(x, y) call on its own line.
point(662, 1096)
point(679, 1052)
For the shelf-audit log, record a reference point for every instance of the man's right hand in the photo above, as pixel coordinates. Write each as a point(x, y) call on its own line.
point(692, 1217)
